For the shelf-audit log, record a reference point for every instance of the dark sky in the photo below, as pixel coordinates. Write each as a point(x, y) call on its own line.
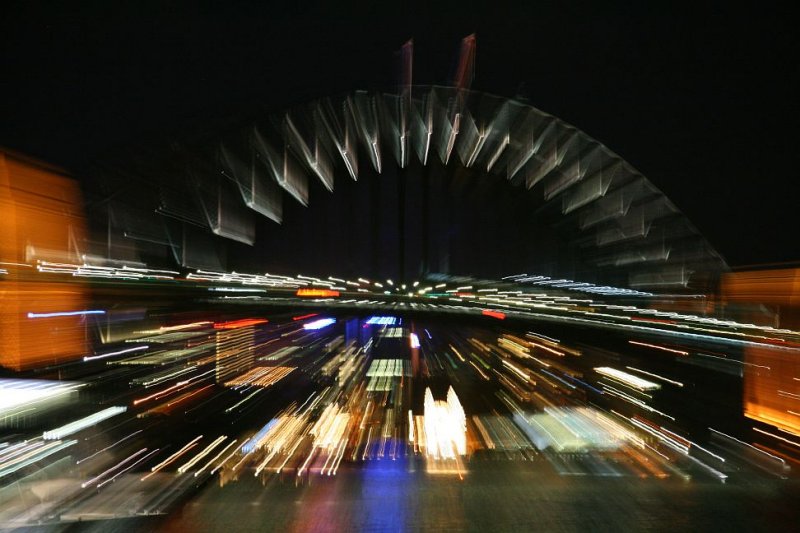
point(702, 100)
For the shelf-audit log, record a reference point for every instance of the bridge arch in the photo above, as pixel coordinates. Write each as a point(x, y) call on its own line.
point(588, 213)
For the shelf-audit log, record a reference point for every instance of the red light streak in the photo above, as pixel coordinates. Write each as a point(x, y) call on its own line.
point(240, 323)
point(303, 317)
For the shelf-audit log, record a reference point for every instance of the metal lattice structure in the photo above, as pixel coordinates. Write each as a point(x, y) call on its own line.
point(612, 217)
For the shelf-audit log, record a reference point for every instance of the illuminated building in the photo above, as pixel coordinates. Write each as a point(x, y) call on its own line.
point(234, 348)
point(771, 385)
point(41, 221)
point(445, 426)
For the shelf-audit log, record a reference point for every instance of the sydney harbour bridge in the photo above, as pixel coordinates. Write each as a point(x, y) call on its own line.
point(383, 310)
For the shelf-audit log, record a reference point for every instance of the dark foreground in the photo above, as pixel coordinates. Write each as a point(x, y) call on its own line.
point(496, 495)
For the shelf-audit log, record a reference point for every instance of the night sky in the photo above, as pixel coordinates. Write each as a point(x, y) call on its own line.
point(702, 101)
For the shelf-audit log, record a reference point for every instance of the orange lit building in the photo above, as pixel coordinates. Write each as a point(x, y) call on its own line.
point(771, 377)
point(41, 220)
point(779, 289)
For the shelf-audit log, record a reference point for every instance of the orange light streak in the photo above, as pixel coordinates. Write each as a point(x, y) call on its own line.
point(317, 293)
